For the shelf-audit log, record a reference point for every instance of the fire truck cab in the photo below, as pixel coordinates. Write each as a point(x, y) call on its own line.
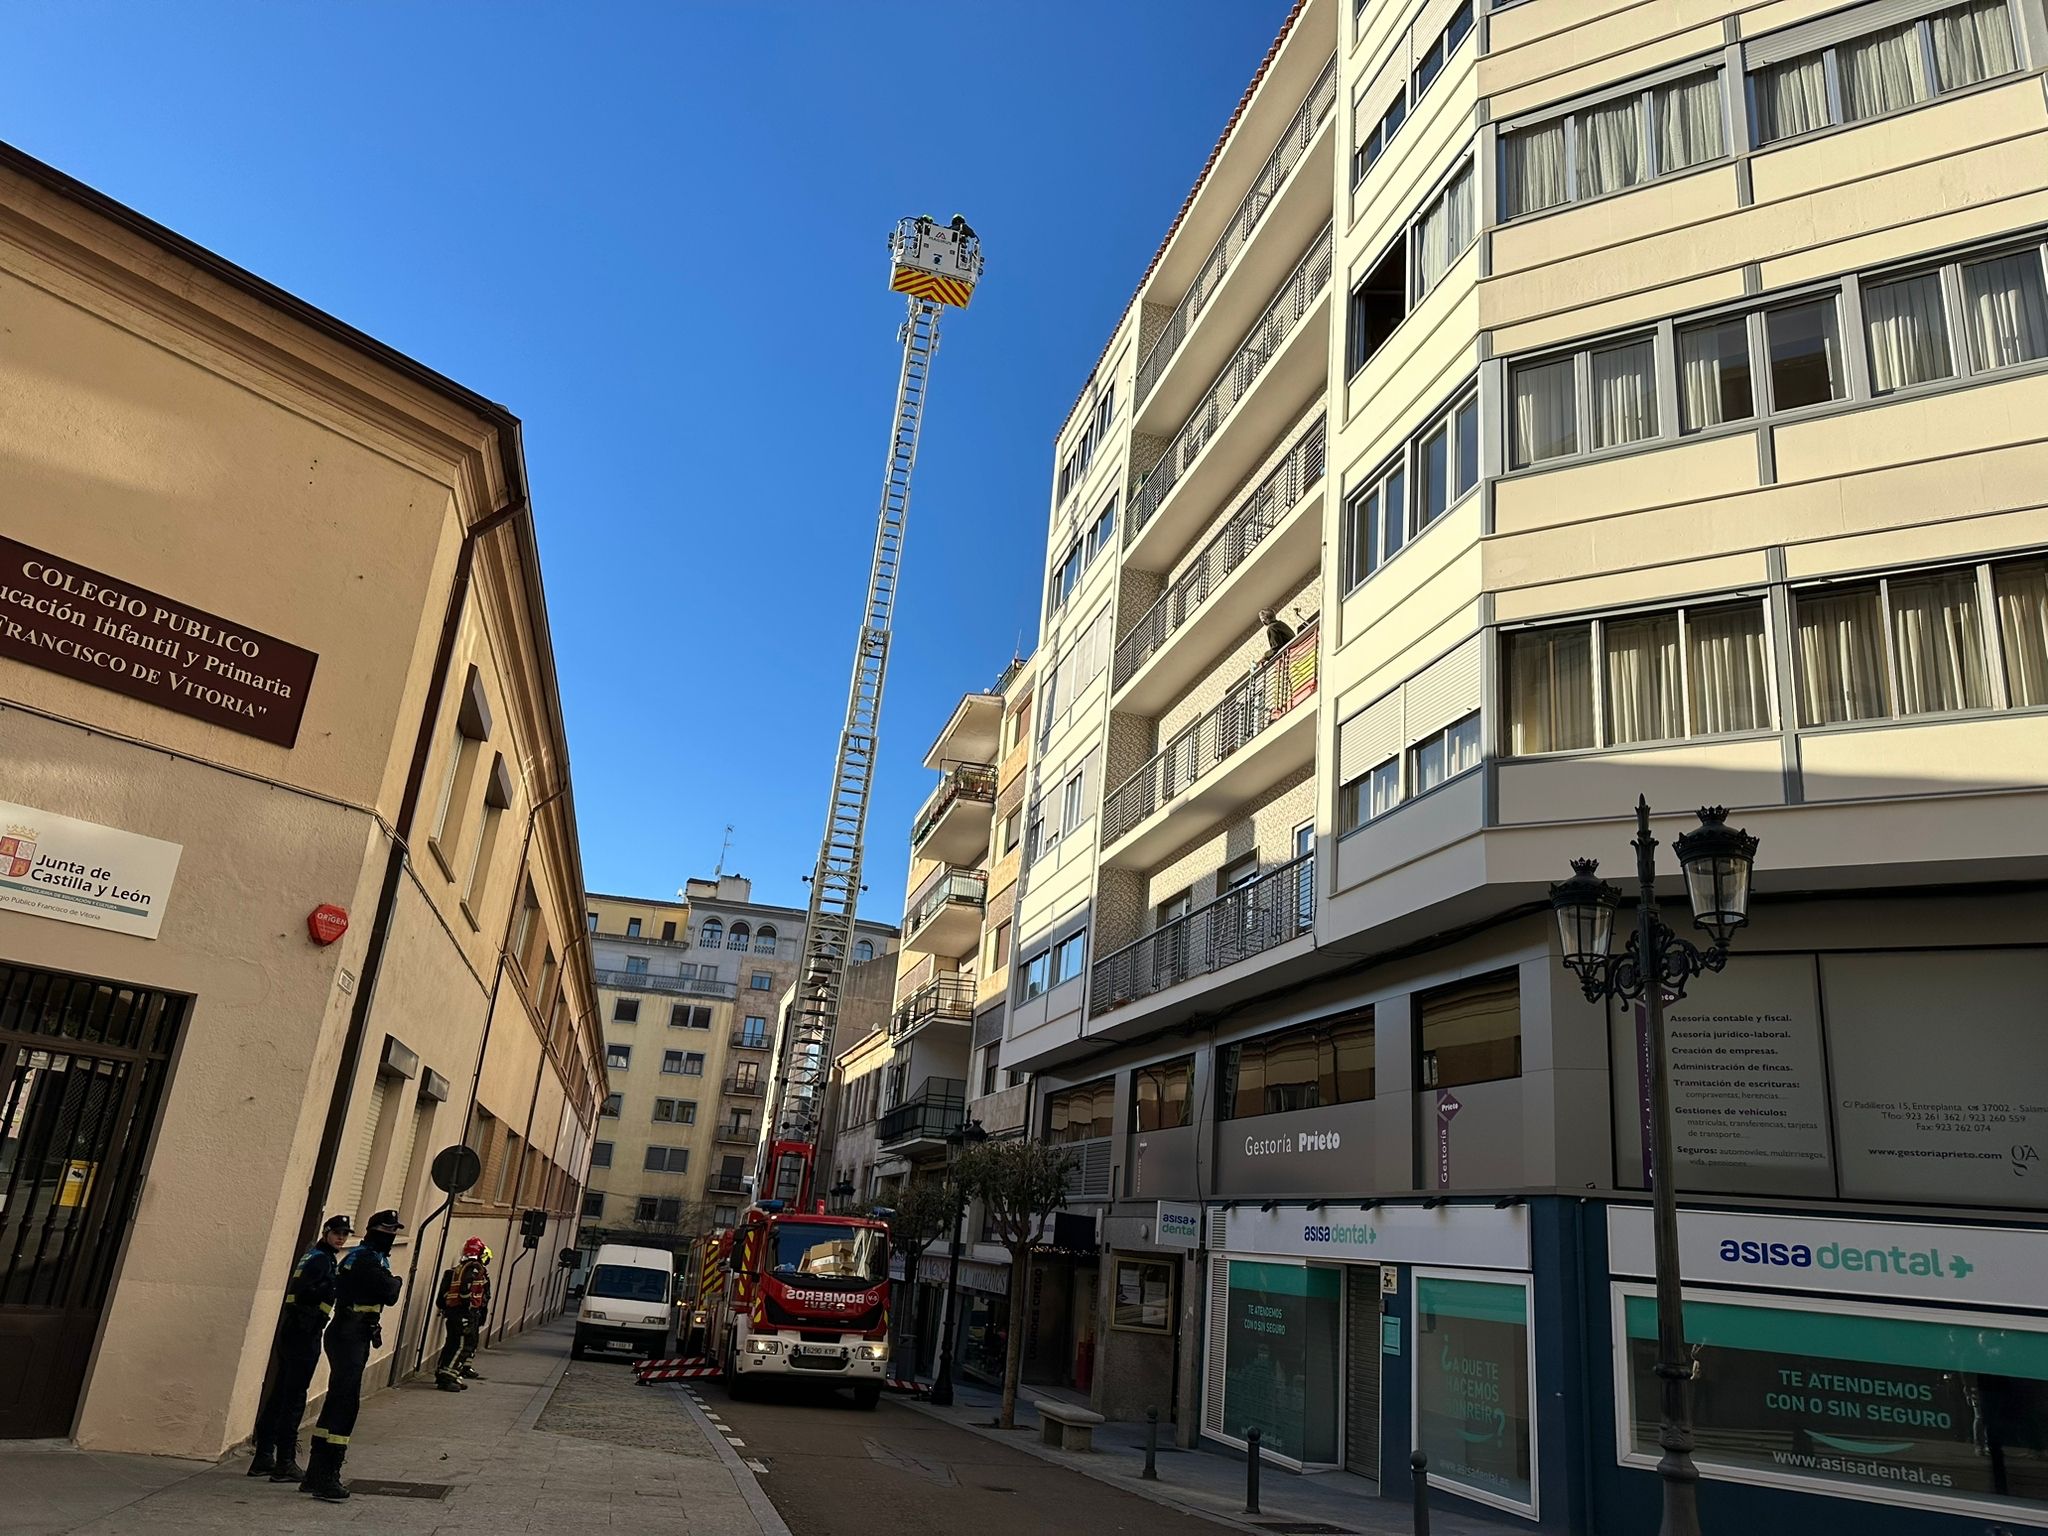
point(805, 1295)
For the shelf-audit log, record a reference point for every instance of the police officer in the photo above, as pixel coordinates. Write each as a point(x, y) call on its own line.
point(308, 1303)
point(363, 1287)
point(465, 1303)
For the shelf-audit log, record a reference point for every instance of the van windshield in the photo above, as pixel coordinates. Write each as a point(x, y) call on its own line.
point(623, 1282)
point(857, 1257)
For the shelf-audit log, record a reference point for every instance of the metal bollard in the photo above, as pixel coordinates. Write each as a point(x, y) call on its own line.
point(1420, 1463)
point(1251, 1471)
point(1151, 1472)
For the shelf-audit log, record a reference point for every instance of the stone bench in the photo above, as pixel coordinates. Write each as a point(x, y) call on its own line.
point(1066, 1427)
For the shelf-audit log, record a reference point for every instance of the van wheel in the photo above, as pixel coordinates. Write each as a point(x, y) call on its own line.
point(867, 1396)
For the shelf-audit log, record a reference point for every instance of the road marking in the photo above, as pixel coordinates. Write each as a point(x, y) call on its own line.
point(755, 1466)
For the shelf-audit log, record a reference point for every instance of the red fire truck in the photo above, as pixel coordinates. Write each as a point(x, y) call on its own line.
point(805, 1295)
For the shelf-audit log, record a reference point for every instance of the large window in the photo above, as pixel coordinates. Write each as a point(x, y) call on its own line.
point(1311, 1066)
point(1282, 1332)
point(1900, 645)
point(1430, 475)
point(626, 1010)
point(1474, 1370)
point(675, 1111)
point(1435, 760)
point(1037, 972)
point(667, 1160)
point(1471, 1032)
point(689, 1016)
point(601, 1154)
point(764, 940)
point(1613, 144)
point(2021, 589)
point(1162, 1097)
point(1067, 957)
point(1445, 231)
point(618, 1057)
point(1437, 53)
point(1081, 1114)
point(1662, 676)
point(1596, 398)
point(1375, 142)
point(1884, 70)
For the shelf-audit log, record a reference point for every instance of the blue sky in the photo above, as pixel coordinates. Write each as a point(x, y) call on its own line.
point(658, 234)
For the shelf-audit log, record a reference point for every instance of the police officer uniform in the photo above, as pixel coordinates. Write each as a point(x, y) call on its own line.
point(363, 1287)
point(308, 1304)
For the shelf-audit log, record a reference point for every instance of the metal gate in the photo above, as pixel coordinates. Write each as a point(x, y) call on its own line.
point(82, 1069)
point(1362, 1370)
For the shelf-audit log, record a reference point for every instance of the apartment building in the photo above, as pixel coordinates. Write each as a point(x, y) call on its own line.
point(1535, 406)
point(289, 873)
point(690, 991)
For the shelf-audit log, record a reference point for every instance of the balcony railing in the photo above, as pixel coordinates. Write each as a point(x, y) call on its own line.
point(1279, 492)
point(1258, 915)
point(1271, 691)
point(725, 1184)
point(1237, 234)
point(647, 981)
point(745, 1087)
point(947, 886)
point(969, 781)
point(935, 1113)
point(949, 997)
point(748, 1040)
point(642, 938)
point(1297, 296)
point(736, 1133)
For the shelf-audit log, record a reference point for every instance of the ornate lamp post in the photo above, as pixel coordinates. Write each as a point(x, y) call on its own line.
point(970, 1132)
point(1654, 968)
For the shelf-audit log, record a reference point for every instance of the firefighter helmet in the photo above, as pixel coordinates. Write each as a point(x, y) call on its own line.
point(474, 1249)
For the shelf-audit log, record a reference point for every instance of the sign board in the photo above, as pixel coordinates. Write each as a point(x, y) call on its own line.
point(1466, 1236)
point(80, 872)
point(68, 618)
point(1179, 1225)
point(1985, 1266)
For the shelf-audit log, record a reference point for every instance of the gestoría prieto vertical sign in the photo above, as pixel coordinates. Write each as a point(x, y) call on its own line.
point(68, 618)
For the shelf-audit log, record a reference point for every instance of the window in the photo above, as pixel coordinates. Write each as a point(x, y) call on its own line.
point(1452, 751)
point(1074, 800)
point(1804, 353)
point(745, 1077)
point(632, 927)
point(764, 940)
point(600, 1154)
point(742, 938)
point(1660, 676)
point(667, 1160)
point(636, 965)
point(1162, 1095)
point(726, 1216)
point(1884, 71)
point(590, 922)
point(1067, 956)
point(465, 755)
point(1441, 465)
point(988, 1069)
point(1375, 143)
point(762, 981)
point(711, 934)
point(668, 933)
point(618, 1057)
point(613, 1103)
point(1037, 974)
point(1445, 231)
point(1013, 829)
point(1081, 1114)
point(1439, 52)
point(689, 1016)
point(1016, 727)
point(497, 799)
point(1471, 1033)
point(863, 951)
point(672, 1061)
point(1103, 530)
point(1369, 795)
point(1311, 1066)
point(1713, 374)
point(675, 1111)
point(1937, 660)
point(2021, 591)
point(1378, 305)
point(693, 1063)
point(1611, 389)
point(665, 1211)
point(626, 1010)
point(1613, 144)
point(999, 947)
point(593, 1204)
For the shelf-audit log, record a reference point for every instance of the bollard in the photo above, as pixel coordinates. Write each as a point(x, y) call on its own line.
point(1251, 1471)
point(1420, 1463)
point(1151, 1472)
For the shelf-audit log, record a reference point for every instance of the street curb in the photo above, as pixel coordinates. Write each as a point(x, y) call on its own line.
point(765, 1515)
point(542, 1396)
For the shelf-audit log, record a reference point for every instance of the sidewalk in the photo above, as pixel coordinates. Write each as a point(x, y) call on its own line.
point(1207, 1482)
point(542, 1445)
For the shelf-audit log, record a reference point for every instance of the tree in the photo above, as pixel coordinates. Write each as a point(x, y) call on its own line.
point(923, 1214)
point(1020, 1185)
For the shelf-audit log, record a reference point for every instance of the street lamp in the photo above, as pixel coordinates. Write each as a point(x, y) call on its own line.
point(1653, 969)
point(969, 1134)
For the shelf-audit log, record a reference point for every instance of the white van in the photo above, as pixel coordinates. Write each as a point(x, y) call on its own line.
point(628, 1302)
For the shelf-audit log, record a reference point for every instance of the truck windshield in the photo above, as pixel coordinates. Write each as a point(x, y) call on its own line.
point(859, 1255)
point(623, 1282)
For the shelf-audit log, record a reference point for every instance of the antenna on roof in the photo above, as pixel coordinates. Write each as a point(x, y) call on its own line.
point(723, 849)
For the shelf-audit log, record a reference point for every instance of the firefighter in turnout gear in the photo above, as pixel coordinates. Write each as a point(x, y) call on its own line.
point(465, 1303)
point(363, 1287)
point(308, 1304)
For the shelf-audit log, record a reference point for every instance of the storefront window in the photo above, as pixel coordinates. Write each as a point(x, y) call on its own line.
point(1472, 1033)
point(1144, 1296)
point(1472, 1412)
point(1281, 1358)
point(1312, 1066)
point(1929, 1407)
point(985, 1343)
point(1081, 1114)
point(1160, 1095)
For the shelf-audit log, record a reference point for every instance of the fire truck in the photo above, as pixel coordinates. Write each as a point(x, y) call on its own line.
point(804, 1295)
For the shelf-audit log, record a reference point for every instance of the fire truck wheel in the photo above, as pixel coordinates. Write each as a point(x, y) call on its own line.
point(735, 1383)
point(866, 1397)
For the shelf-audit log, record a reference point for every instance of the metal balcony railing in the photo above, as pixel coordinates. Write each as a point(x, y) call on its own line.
point(947, 886)
point(1237, 234)
point(948, 997)
point(647, 981)
point(1271, 691)
point(969, 781)
point(734, 1132)
point(745, 1087)
point(642, 938)
point(935, 1112)
point(1255, 917)
point(1260, 515)
point(749, 1040)
point(1297, 296)
point(725, 1184)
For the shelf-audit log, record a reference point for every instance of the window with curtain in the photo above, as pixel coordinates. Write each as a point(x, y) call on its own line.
point(1368, 796)
point(1881, 73)
point(1714, 374)
point(1639, 659)
point(1839, 638)
point(1161, 1095)
point(1613, 144)
point(1727, 670)
point(1938, 643)
point(1972, 43)
point(1440, 758)
point(1534, 164)
point(1309, 1066)
point(1610, 147)
point(1885, 70)
point(2021, 591)
point(1623, 393)
point(1441, 463)
point(2005, 304)
point(1544, 400)
point(1550, 689)
point(1907, 331)
point(1791, 98)
point(1081, 1114)
point(1689, 131)
point(1445, 231)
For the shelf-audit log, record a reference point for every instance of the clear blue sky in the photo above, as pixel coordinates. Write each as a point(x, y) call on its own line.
point(657, 233)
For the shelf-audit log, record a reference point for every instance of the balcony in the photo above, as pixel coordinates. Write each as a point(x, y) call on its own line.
point(736, 1133)
point(1253, 738)
point(974, 733)
point(742, 1086)
point(1270, 568)
point(1261, 199)
point(950, 997)
point(726, 1184)
point(953, 826)
point(748, 1040)
point(944, 917)
point(1208, 454)
point(1257, 916)
point(647, 981)
point(926, 1120)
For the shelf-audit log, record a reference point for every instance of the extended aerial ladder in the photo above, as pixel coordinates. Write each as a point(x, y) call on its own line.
point(936, 266)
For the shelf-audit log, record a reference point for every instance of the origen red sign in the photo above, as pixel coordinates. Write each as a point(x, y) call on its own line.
point(326, 923)
point(68, 618)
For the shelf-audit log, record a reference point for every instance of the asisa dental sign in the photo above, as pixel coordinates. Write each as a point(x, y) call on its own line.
point(1988, 1266)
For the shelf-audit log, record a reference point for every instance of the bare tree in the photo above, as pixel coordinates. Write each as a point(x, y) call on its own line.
point(923, 1215)
point(1020, 1185)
